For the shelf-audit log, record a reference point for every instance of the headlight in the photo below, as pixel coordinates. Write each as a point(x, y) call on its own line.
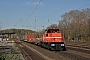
point(62, 44)
point(52, 44)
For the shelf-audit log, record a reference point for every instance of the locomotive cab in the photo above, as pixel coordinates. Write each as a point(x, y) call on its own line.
point(53, 40)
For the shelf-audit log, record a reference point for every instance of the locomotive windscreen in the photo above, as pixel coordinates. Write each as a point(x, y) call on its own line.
point(52, 30)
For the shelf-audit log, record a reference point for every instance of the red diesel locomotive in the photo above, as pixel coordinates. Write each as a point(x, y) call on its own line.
point(53, 40)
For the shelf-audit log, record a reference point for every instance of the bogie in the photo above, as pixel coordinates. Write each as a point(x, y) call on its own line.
point(54, 46)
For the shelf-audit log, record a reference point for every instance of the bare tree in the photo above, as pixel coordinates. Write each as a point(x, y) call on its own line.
point(75, 24)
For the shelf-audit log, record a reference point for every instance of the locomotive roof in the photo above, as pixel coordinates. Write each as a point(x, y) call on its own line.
point(53, 29)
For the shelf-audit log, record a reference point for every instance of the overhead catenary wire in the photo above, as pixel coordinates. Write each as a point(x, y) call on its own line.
point(58, 11)
point(32, 12)
point(50, 14)
point(61, 8)
point(84, 6)
point(59, 16)
point(55, 12)
point(26, 15)
point(78, 8)
point(29, 10)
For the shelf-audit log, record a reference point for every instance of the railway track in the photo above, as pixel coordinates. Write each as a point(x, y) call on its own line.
point(80, 47)
point(74, 55)
point(83, 50)
point(79, 44)
point(73, 52)
point(48, 55)
point(77, 51)
point(27, 53)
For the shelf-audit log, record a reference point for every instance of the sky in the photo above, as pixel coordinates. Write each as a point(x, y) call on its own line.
point(36, 14)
